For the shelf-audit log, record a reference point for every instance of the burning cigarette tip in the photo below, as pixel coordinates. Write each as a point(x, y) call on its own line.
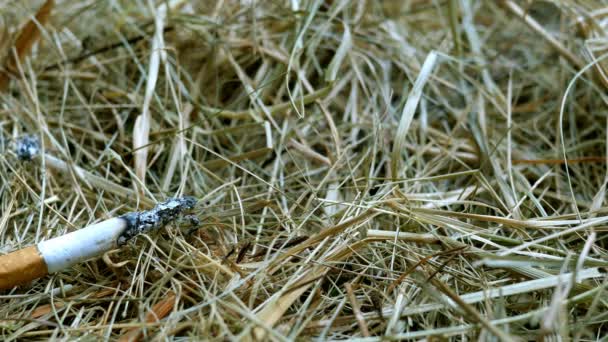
point(155, 218)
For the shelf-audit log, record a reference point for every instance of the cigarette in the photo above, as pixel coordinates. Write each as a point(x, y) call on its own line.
point(54, 255)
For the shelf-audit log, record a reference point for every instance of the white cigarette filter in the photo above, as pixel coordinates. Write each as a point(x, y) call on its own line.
point(64, 251)
point(81, 245)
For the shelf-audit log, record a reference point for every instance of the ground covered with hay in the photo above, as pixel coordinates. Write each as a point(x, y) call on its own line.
point(363, 169)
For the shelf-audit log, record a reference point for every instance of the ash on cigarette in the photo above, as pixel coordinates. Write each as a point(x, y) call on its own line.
point(155, 218)
point(27, 147)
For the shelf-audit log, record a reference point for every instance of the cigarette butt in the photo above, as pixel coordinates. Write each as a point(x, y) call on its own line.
point(64, 251)
point(54, 255)
point(20, 267)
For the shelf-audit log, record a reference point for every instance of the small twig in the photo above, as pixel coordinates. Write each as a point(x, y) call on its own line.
point(471, 311)
point(278, 109)
point(590, 159)
point(357, 310)
point(79, 58)
point(309, 152)
point(422, 261)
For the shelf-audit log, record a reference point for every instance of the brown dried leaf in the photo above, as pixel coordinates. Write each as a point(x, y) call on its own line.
point(45, 309)
point(27, 37)
point(4, 38)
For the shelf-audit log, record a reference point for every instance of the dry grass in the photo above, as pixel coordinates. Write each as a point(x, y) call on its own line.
point(365, 169)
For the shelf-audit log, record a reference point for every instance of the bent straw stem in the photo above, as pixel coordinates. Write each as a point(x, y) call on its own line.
point(27, 147)
point(93, 180)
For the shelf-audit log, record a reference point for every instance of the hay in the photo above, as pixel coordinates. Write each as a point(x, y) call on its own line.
point(365, 169)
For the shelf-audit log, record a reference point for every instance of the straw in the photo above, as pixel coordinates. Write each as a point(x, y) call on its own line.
point(365, 170)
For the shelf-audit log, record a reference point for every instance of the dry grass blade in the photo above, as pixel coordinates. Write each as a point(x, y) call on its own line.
point(275, 309)
point(280, 109)
point(341, 53)
point(141, 130)
point(472, 312)
point(409, 109)
point(534, 25)
point(325, 233)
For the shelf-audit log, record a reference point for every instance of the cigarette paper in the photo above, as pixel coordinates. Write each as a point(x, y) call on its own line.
point(21, 266)
point(81, 245)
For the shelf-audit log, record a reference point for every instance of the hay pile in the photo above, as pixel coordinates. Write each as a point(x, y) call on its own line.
point(408, 169)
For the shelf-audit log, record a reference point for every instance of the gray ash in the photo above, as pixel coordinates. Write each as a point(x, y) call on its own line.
point(155, 218)
point(27, 147)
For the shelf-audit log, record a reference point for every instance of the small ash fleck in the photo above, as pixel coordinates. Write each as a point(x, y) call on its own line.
point(155, 218)
point(27, 147)
point(192, 220)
